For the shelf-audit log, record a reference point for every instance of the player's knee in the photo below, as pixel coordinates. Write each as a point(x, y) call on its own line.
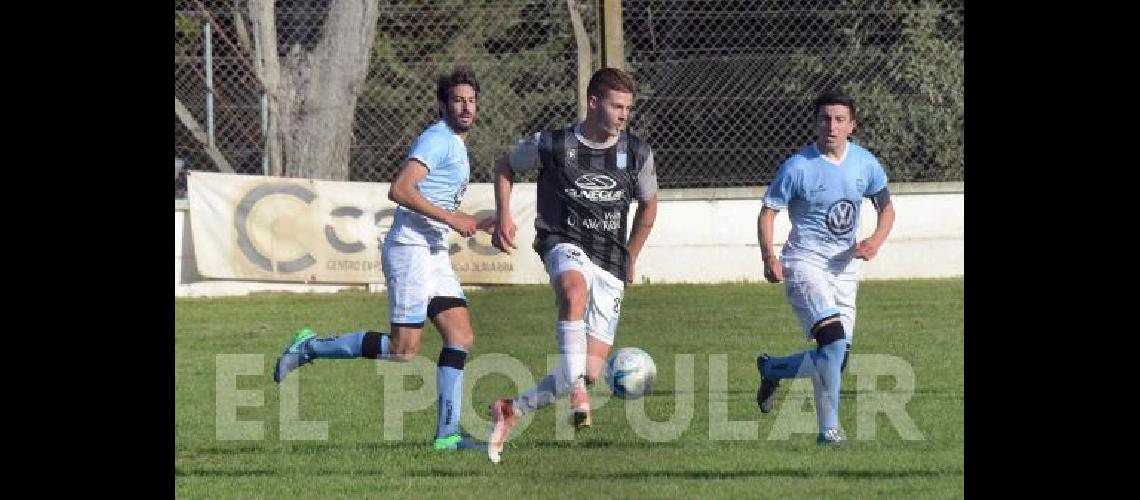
point(465, 338)
point(572, 282)
point(455, 328)
point(404, 353)
point(439, 305)
point(573, 292)
point(404, 345)
point(828, 330)
point(462, 336)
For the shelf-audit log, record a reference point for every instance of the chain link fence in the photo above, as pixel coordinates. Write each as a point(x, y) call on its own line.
point(724, 86)
point(523, 52)
point(728, 85)
point(231, 118)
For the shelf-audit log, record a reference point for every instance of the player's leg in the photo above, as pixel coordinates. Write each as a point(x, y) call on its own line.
point(568, 269)
point(808, 290)
point(846, 287)
point(407, 305)
point(566, 266)
point(601, 319)
point(811, 290)
point(827, 361)
point(596, 353)
point(448, 311)
point(306, 347)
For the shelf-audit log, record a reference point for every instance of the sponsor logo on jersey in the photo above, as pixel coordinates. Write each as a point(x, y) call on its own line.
point(841, 217)
point(594, 181)
point(596, 187)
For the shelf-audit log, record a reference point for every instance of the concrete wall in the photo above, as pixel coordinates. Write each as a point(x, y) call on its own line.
point(703, 236)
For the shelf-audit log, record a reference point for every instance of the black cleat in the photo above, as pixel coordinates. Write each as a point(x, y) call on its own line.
point(766, 394)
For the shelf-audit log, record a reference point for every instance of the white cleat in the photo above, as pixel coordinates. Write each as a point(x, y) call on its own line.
point(502, 420)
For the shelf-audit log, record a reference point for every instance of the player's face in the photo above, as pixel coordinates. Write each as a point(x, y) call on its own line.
point(611, 112)
point(833, 124)
point(460, 107)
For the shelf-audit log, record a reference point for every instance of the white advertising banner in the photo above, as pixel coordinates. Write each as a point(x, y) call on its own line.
point(313, 231)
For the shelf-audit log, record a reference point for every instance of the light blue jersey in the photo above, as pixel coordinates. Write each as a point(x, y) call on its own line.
point(445, 156)
point(823, 199)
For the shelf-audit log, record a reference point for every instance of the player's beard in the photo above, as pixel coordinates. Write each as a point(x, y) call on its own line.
point(457, 126)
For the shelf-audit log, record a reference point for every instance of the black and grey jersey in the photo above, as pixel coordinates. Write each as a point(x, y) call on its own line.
point(584, 193)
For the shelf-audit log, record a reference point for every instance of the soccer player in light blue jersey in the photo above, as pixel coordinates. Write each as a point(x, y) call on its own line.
point(421, 283)
point(822, 187)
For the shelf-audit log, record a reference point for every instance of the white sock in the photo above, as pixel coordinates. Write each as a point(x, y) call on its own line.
point(571, 367)
point(572, 347)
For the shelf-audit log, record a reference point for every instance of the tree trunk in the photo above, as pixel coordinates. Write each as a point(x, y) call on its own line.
point(313, 87)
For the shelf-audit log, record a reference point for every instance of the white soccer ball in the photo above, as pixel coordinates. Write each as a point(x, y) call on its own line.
point(630, 373)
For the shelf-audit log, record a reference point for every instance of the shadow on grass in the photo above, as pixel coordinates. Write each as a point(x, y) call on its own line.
point(271, 447)
point(707, 474)
point(623, 475)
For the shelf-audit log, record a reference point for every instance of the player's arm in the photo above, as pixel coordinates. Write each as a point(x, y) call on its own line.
point(643, 219)
point(784, 186)
point(504, 234)
point(765, 222)
point(646, 189)
point(868, 248)
point(404, 193)
point(522, 156)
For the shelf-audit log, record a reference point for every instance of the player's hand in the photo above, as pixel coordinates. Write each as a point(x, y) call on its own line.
point(503, 236)
point(486, 225)
point(867, 249)
point(462, 223)
point(773, 270)
point(629, 273)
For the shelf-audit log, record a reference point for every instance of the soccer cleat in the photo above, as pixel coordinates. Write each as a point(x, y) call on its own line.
point(503, 419)
point(580, 402)
point(294, 356)
point(766, 394)
point(457, 441)
point(832, 437)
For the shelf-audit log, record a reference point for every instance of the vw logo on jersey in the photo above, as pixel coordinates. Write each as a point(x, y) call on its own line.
point(841, 217)
point(593, 182)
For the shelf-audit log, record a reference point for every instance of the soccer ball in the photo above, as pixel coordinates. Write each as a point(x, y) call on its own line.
point(630, 373)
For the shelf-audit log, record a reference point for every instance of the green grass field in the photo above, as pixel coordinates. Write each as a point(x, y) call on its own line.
point(919, 322)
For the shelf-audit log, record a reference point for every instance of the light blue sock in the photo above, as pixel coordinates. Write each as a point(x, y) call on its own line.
point(822, 365)
point(790, 366)
point(828, 360)
point(339, 347)
point(449, 386)
point(822, 406)
point(350, 345)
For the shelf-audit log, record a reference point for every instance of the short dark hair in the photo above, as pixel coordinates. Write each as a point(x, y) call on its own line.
point(461, 76)
point(609, 79)
point(835, 96)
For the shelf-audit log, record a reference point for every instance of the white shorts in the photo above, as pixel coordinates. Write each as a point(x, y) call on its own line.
point(816, 293)
point(414, 275)
point(603, 290)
